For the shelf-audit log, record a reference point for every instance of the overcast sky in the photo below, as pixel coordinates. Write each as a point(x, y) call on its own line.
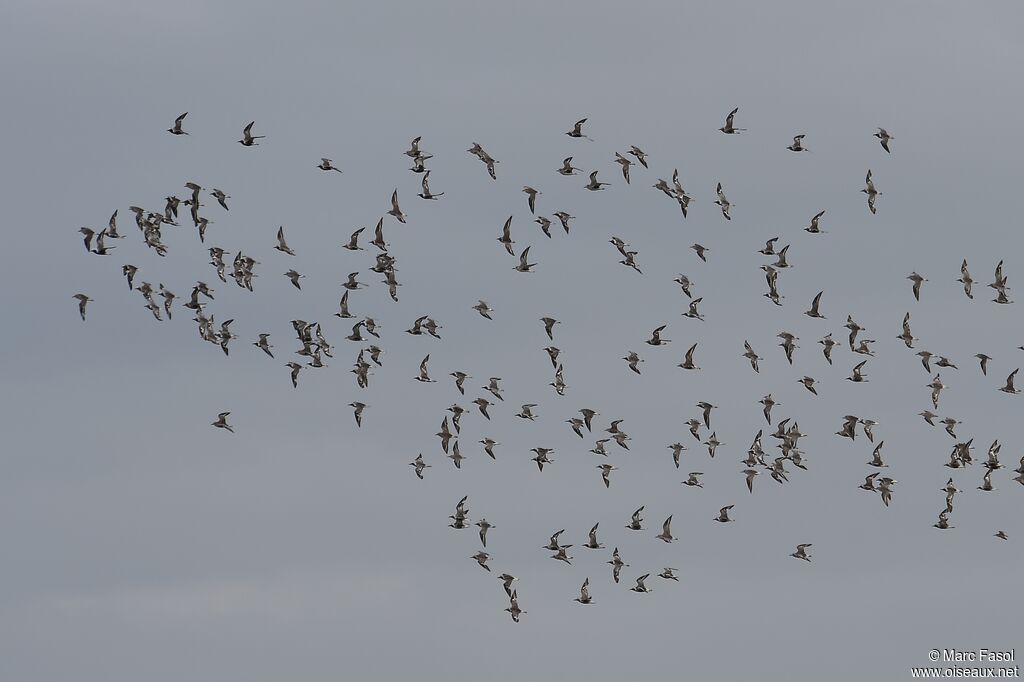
point(141, 543)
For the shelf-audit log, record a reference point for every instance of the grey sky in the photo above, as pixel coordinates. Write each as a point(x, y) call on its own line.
point(140, 543)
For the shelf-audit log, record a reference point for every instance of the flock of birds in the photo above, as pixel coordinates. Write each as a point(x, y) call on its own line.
point(311, 336)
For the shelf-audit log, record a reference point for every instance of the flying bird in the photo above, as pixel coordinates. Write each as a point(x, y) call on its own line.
point(640, 587)
point(813, 312)
point(577, 130)
point(632, 359)
point(965, 279)
point(357, 411)
point(617, 564)
point(584, 597)
point(692, 479)
point(729, 128)
point(798, 144)
point(418, 466)
point(813, 228)
point(295, 367)
point(222, 422)
point(395, 210)
point(656, 339)
point(513, 607)
point(592, 542)
point(482, 558)
point(984, 362)
point(531, 198)
point(176, 129)
point(506, 236)
point(666, 531)
point(635, 522)
point(425, 192)
point(750, 474)
point(484, 525)
point(872, 193)
point(484, 309)
point(884, 137)
point(489, 161)
point(567, 167)
point(327, 165)
point(524, 265)
point(687, 362)
point(282, 245)
point(564, 219)
point(594, 185)
point(424, 375)
point(507, 581)
point(1008, 388)
point(917, 280)
point(801, 552)
point(640, 155)
point(83, 301)
point(723, 202)
point(248, 139)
